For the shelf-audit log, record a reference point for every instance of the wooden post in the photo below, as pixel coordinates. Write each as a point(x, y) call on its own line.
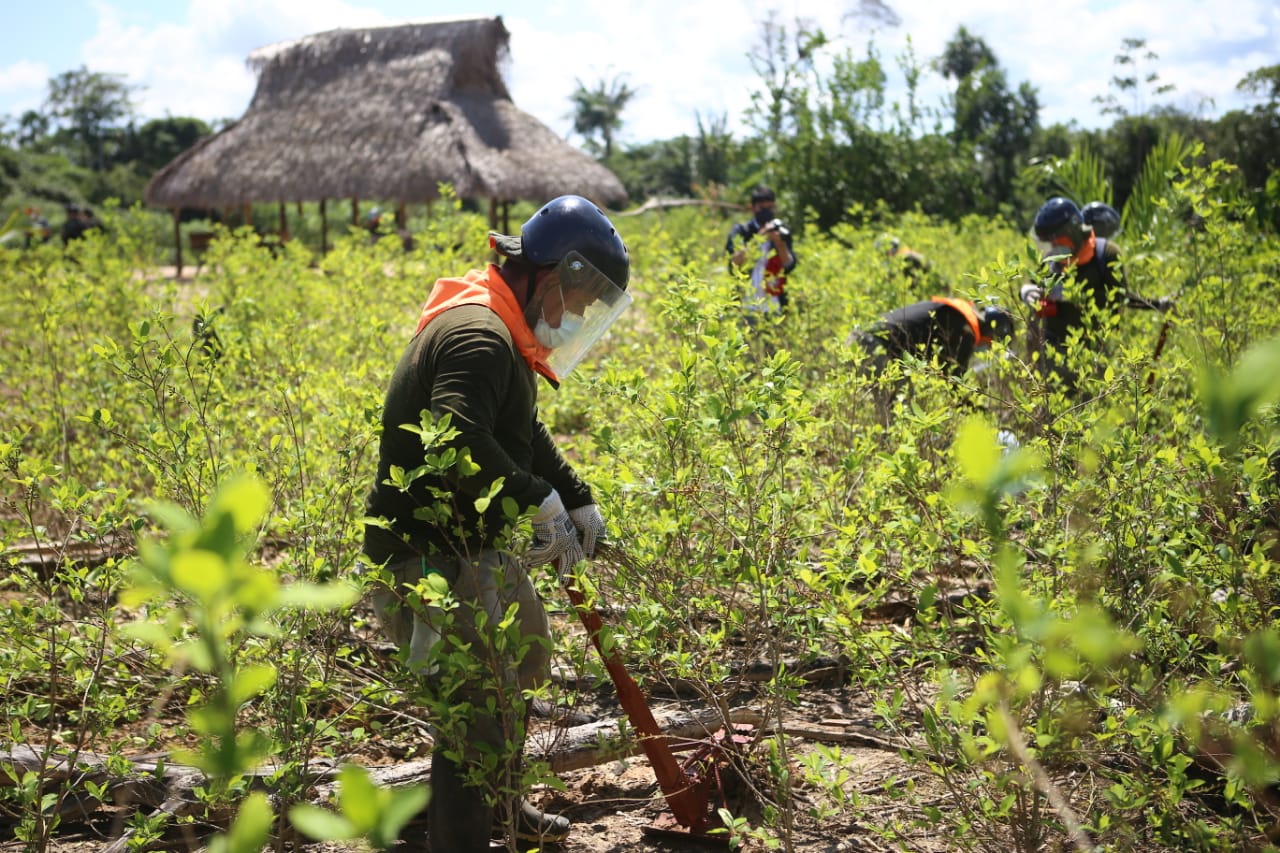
point(324, 227)
point(355, 211)
point(246, 212)
point(284, 225)
point(177, 241)
point(401, 217)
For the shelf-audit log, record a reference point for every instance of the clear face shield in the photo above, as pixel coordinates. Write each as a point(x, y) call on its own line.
point(574, 311)
point(1055, 249)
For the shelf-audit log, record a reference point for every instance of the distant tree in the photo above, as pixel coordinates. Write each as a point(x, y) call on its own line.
point(965, 54)
point(89, 108)
point(1000, 124)
point(1132, 80)
point(33, 129)
point(783, 60)
point(598, 111)
point(714, 151)
point(150, 147)
point(1263, 83)
point(663, 167)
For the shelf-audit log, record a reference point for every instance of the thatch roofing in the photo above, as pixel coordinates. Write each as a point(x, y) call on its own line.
point(383, 113)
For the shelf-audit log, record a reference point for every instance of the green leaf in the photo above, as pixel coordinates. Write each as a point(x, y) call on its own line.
point(251, 828)
point(358, 797)
point(404, 806)
point(976, 451)
point(250, 681)
point(246, 499)
point(318, 597)
point(200, 574)
point(1229, 401)
point(321, 824)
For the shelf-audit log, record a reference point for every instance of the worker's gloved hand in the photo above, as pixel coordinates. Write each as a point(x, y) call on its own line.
point(1032, 295)
point(1164, 303)
point(590, 524)
point(564, 569)
point(554, 535)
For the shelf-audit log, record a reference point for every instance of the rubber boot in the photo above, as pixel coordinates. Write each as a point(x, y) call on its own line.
point(532, 824)
point(458, 818)
point(538, 826)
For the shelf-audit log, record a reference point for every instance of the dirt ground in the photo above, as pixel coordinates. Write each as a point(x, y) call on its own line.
point(614, 803)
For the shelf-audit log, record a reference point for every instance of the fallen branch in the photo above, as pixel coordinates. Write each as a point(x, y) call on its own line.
point(667, 203)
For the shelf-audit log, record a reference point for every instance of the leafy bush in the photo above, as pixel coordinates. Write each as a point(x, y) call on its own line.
point(1073, 642)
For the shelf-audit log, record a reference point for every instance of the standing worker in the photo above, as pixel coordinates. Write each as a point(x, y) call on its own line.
point(481, 343)
point(1083, 269)
point(776, 257)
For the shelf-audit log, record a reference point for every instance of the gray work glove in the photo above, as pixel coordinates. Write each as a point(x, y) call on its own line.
point(590, 524)
point(1032, 295)
point(554, 536)
point(1164, 303)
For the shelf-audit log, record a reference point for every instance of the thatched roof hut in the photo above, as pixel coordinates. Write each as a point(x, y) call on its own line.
point(383, 113)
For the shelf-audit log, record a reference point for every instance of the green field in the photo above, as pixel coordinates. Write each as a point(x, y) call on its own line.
point(1069, 646)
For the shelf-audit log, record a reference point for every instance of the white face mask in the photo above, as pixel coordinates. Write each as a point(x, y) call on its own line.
point(552, 337)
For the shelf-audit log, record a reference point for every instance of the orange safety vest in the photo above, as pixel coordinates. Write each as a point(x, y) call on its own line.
point(486, 287)
point(970, 316)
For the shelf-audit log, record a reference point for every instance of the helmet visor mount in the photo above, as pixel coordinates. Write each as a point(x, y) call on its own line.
point(575, 312)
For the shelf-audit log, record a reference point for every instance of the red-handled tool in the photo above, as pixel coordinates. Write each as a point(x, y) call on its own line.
point(694, 789)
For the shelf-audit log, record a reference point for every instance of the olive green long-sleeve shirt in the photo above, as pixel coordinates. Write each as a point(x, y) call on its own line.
point(465, 364)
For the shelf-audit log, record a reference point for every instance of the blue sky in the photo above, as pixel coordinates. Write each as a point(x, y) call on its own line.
point(685, 61)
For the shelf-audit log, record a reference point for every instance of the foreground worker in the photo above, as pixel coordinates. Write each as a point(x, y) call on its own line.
point(481, 343)
point(1083, 269)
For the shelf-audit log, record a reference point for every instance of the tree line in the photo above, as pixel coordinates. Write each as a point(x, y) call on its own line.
point(824, 132)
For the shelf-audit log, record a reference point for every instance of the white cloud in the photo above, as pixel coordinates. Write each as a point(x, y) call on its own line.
point(689, 59)
point(28, 81)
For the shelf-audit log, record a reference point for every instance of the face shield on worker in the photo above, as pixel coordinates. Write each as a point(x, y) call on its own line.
point(579, 286)
point(573, 307)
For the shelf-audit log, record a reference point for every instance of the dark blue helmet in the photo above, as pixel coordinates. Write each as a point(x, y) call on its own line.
point(1059, 217)
point(1102, 218)
point(567, 224)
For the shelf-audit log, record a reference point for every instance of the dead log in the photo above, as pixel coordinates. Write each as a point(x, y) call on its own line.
point(47, 556)
point(667, 203)
point(596, 743)
point(164, 788)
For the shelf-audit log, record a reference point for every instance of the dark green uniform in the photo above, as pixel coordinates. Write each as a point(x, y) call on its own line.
point(464, 363)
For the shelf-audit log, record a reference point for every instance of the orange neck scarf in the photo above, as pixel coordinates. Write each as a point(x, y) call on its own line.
point(1085, 254)
point(486, 287)
point(970, 316)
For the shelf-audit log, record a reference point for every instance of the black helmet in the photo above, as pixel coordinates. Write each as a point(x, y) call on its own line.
point(1059, 217)
point(567, 224)
point(997, 323)
point(1102, 217)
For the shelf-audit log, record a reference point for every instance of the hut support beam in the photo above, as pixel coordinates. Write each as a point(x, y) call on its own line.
point(324, 226)
point(177, 241)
